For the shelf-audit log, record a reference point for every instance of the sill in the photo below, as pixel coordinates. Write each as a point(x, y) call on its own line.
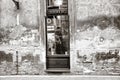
point(66, 70)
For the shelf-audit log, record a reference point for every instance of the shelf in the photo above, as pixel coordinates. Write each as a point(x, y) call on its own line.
point(53, 7)
point(51, 31)
point(57, 12)
point(58, 55)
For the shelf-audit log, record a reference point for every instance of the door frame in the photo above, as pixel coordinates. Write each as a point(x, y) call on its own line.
point(72, 27)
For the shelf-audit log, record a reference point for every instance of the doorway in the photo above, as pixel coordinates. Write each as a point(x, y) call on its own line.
point(57, 36)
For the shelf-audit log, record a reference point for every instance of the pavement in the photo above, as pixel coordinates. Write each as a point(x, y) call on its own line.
point(59, 77)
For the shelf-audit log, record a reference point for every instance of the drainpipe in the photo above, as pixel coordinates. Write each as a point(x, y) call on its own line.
point(16, 2)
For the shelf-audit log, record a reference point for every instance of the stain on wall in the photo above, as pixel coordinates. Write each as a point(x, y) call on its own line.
point(96, 20)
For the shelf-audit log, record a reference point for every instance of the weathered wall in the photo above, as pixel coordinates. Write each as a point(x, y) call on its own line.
point(29, 16)
point(24, 38)
point(7, 13)
point(28, 13)
point(97, 28)
point(94, 27)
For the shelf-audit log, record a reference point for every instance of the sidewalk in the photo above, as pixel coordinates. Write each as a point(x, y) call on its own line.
point(60, 77)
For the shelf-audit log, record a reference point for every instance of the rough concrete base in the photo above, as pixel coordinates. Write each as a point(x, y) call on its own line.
point(56, 77)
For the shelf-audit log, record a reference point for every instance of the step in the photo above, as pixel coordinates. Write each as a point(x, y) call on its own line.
point(57, 70)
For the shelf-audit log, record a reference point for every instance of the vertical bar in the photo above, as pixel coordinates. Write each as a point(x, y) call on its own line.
point(68, 40)
point(46, 40)
point(17, 69)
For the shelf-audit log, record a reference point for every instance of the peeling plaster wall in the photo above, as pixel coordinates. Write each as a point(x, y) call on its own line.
point(28, 13)
point(97, 28)
point(7, 13)
point(89, 8)
point(96, 19)
point(23, 38)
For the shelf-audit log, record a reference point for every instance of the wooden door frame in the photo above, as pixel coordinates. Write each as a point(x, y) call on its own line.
point(72, 25)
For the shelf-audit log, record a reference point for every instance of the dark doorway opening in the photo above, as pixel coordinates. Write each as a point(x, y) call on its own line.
point(57, 36)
